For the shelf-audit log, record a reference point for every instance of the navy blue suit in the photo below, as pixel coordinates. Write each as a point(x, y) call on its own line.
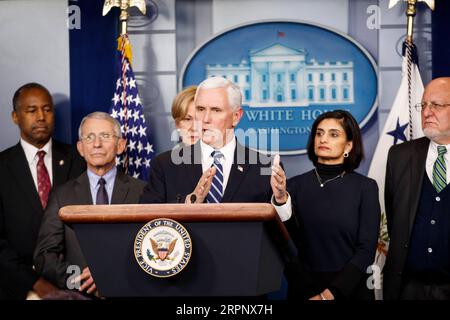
point(171, 181)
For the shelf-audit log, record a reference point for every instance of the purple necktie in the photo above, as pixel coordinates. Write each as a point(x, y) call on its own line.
point(102, 195)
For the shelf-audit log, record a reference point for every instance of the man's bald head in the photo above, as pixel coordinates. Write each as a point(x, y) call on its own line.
point(441, 84)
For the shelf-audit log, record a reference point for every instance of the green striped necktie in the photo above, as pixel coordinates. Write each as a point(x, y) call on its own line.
point(440, 170)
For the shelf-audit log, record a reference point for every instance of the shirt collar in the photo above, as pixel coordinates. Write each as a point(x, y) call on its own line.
point(30, 150)
point(93, 178)
point(227, 150)
point(434, 146)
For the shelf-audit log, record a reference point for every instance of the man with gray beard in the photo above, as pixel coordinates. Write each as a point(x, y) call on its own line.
point(417, 200)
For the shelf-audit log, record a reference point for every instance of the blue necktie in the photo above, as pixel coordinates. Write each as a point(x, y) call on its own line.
point(216, 192)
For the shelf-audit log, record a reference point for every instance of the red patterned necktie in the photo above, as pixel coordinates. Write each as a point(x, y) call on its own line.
point(43, 178)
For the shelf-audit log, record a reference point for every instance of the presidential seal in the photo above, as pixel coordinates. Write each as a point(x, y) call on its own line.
point(162, 247)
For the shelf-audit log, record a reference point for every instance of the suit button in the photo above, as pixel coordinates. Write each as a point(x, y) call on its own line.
point(399, 273)
point(406, 246)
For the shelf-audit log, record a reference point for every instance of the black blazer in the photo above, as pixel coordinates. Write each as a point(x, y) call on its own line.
point(175, 174)
point(405, 171)
point(21, 213)
point(57, 246)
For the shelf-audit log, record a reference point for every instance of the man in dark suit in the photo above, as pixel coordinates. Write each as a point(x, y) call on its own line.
point(57, 248)
point(217, 168)
point(417, 200)
point(27, 171)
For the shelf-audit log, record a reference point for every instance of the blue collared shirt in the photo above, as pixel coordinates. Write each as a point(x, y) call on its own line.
point(110, 178)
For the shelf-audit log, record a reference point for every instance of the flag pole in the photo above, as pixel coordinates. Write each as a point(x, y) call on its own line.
point(410, 13)
point(125, 48)
point(411, 10)
point(123, 19)
point(124, 5)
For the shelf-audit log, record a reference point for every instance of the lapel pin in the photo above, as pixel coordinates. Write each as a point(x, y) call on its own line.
point(240, 168)
point(61, 162)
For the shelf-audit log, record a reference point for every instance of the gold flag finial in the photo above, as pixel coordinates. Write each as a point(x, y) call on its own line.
point(124, 5)
point(430, 3)
point(410, 13)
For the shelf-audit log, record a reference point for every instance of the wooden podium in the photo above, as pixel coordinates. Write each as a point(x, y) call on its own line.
point(236, 248)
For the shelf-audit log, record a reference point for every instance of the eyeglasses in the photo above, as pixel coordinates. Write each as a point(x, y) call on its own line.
point(103, 136)
point(431, 105)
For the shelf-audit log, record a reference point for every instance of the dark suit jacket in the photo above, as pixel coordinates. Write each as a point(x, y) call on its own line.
point(57, 246)
point(21, 213)
point(170, 180)
point(404, 176)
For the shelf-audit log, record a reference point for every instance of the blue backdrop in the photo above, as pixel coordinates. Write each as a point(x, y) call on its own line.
point(440, 39)
point(92, 61)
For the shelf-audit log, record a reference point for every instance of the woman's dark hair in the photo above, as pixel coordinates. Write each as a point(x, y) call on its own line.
point(352, 132)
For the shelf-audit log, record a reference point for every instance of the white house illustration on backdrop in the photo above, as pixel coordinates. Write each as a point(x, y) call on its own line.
point(279, 76)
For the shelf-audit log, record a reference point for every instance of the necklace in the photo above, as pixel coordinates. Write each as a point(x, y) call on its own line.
point(322, 183)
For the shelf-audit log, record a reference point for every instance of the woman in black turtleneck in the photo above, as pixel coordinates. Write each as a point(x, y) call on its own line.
point(336, 215)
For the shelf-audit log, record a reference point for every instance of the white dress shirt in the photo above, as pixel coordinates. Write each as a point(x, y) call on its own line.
point(431, 159)
point(32, 159)
point(284, 211)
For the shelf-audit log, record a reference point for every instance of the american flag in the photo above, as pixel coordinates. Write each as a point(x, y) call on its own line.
point(127, 108)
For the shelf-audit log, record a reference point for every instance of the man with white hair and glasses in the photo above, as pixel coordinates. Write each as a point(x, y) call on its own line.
point(100, 141)
point(417, 200)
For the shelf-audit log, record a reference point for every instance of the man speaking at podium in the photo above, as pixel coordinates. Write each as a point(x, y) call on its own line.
point(217, 168)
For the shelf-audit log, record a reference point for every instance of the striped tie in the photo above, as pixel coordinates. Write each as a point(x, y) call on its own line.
point(440, 170)
point(216, 192)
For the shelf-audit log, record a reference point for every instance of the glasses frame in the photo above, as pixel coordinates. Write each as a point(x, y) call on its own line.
point(103, 137)
point(433, 106)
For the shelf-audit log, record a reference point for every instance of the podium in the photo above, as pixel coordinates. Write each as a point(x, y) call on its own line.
point(236, 248)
